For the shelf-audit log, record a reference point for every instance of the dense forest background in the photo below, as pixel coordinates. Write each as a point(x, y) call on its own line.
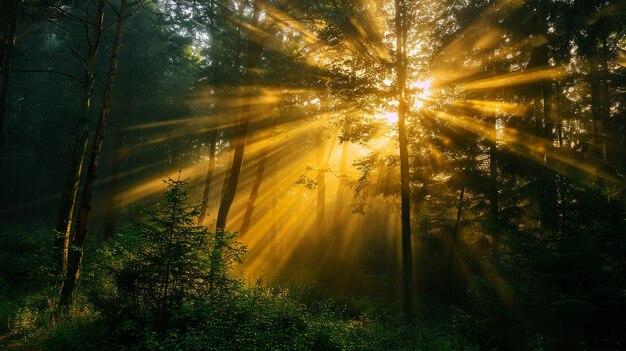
point(313, 175)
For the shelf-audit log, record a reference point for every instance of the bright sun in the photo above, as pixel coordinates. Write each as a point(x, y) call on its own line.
point(422, 91)
point(390, 117)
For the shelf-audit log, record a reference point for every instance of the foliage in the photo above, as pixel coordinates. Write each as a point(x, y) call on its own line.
point(164, 260)
point(263, 318)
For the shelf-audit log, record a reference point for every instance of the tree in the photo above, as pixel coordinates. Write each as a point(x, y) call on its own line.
point(8, 49)
point(402, 22)
point(163, 260)
point(75, 255)
point(67, 204)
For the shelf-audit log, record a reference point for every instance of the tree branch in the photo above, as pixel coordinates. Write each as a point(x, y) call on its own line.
point(69, 75)
point(65, 12)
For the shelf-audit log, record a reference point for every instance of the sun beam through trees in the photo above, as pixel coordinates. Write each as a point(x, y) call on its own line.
point(454, 166)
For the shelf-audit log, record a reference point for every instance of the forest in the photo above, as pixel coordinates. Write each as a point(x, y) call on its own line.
point(313, 175)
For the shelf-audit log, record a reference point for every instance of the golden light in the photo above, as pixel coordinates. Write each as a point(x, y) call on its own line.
point(391, 118)
point(423, 86)
point(422, 90)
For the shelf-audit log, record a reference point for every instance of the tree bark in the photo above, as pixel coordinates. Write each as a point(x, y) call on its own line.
point(209, 177)
point(341, 189)
point(75, 255)
point(7, 66)
point(455, 235)
point(548, 201)
point(606, 92)
point(596, 112)
point(241, 130)
point(229, 165)
point(258, 179)
point(320, 207)
point(405, 194)
point(120, 152)
point(493, 200)
point(595, 83)
point(72, 182)
point(241, 133)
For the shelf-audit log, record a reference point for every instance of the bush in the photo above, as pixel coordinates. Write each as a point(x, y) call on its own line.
point(165, 260)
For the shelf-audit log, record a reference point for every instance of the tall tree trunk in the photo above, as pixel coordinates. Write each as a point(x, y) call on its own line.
point(70, 189)
point(320, 207)
point(595, 82)
point(204, 205)
point(258, 179)
point(241, 130)
point(407, 254)
point(341, 189)
point(76, 254)
point(209, 176)
point(229, 165)
point(120, 152)
point(606, 92)
point(548, 201)
point(241, 133)
point(455, 235)
point(493, 200)
point(7, 66)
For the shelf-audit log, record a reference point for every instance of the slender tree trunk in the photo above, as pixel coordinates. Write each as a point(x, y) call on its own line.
point(341, 189)
point(455, 235)
point(560, 178)
point(493, 200)
point(72, 182)
point(229, 165)
point(120, 152)
point(548, 199)
point(209, 176)
point(407, 254)
point(258, 179)
point(7, 66)
point(559, 121)
point(204, 205)
point(241, 133)
point(320, 208)
point(606, 92)
point(76, 254)
point(595, 82)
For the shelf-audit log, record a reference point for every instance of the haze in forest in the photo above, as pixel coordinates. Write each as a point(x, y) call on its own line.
point(169, 166)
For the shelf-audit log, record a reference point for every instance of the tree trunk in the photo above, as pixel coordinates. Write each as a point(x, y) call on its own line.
point(120, 152)
point(493, 200)
point(229, 165)
point(241, 133)
point(241, 130)
point(72, 182)
point(595, 82)
point(76, 254)
point(7, 66)
point(258, 179)
point(606, 92)
point(455, 235)
point(548, 200)
point(341, 189)
point(209, 177)
point(320, 207)
point(407, 254)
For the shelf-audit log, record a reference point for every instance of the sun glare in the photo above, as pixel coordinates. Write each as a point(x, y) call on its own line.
point(391, 118)
point(422, 92)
